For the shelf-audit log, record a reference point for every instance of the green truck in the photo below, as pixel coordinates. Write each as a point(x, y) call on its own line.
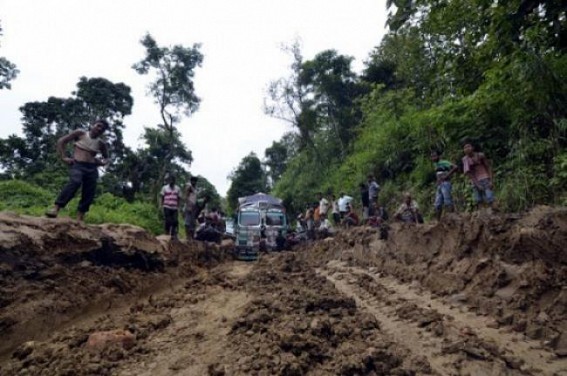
point(260, 218)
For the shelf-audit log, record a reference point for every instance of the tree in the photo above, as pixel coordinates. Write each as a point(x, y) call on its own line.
point(45, 122)
point(275, 160)
point(289, 100)
point(8, 71)
point(173, 88)
point(140, 170)
point(247, 179)
point(328, 77)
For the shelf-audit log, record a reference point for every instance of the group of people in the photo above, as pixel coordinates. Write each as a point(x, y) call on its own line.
point(201, 225)
point(475, 166)
point(316, 219)
point(88, 145)
point(90, 152)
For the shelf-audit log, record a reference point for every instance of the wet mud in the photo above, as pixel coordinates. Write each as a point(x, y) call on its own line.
point(481, 294)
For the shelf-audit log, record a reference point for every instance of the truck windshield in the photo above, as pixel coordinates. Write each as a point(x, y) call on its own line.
point(275, 219)
point(249, 218)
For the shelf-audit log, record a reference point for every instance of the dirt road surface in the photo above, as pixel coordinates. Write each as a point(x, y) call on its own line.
point(472, 295)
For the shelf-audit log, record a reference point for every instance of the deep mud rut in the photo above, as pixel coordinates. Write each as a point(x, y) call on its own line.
point(352, 305)
point(453, 340)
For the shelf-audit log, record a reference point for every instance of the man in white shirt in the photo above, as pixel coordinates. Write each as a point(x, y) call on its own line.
point(325, 228)
point(343, 201)
point(323, 204)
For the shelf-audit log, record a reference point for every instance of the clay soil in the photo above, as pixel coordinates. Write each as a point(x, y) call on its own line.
point(481, 294)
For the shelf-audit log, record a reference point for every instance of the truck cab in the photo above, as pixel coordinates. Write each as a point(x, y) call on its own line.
point(259, 220)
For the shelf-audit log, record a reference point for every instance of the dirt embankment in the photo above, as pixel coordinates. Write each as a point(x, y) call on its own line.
point(511, 268)
point(472, 295)
point(53, 272)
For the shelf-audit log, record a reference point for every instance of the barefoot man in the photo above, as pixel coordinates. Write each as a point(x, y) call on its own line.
point(83, 167)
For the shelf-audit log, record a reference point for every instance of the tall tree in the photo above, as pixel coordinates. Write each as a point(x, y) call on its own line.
point(289, 100)
point(334, 89)
point(45, 122)
point(8, 71)
point(139, 171)
point(172, 88)
point(248, 178)
point(275, 159)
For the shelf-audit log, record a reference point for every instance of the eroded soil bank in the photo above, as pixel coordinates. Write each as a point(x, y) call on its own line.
point(473, 295)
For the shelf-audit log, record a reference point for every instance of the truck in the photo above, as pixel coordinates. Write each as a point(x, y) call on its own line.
point(260, 218)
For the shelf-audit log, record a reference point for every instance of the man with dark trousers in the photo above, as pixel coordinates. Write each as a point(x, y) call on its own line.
point(84, 165)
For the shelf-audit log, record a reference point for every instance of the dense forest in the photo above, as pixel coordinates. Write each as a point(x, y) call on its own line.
point(487, 71)
point(494, 73)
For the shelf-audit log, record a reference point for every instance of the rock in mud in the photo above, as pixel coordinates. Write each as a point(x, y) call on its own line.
point(102, 340)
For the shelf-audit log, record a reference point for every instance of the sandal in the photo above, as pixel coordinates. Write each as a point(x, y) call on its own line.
point(51, 213)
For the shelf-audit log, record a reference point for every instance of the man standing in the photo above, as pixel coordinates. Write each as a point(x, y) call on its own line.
point(191, 210)
point(336, 211)
point(373, 189)
point(477, 168)
point(343, 201)
point(83, 167)
point(365, 199)
point(443, 171)
point(170, 197)
point(323, 204)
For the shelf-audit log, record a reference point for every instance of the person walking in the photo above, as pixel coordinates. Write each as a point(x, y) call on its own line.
point(83, 171)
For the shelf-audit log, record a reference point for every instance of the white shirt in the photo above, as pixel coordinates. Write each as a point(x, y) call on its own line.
point(326, 224)
point(323, 206)
point(343, 201)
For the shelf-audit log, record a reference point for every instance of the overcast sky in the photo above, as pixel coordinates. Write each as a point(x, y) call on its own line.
point(55, 42)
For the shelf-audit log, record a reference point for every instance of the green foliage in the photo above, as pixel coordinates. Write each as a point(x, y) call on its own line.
point(516, 115)
point(248, 178)
point(25, 198)
point(111, 209)
point(173, 88)
point(8, 71)
point(173, 91)
point(45, 122)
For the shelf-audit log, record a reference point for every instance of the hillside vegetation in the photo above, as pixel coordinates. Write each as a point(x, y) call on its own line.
point(494, 74)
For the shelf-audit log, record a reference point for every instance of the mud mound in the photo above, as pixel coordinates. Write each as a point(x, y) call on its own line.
point(297, 324)
point(511, 267)
point(53, 272)
point(472, 295)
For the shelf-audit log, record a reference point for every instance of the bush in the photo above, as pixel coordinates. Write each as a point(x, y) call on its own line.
point(25, 198)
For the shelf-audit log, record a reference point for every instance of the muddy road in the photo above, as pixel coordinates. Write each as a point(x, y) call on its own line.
point(480, 295)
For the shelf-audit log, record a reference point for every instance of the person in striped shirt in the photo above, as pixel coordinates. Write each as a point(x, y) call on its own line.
point(170, 198)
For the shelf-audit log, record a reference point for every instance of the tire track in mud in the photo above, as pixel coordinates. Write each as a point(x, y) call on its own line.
point(197, 336)
point(453, 341)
